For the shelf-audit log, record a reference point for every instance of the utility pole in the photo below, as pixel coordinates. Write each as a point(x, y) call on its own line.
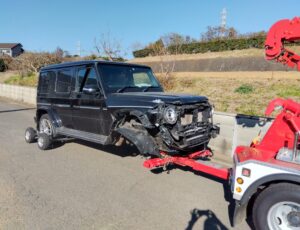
point(223, 21)
point(78, 46)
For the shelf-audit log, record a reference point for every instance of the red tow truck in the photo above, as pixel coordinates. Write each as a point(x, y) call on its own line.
point(265, 177)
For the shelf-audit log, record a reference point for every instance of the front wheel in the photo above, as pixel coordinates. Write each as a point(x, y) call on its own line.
point(278, 207)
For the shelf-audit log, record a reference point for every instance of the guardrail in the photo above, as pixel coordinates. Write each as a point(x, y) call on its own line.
point(235, 129)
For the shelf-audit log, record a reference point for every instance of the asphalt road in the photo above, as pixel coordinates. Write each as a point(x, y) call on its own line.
point(78, 185)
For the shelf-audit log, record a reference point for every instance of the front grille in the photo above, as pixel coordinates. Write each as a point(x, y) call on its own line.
point(190, 117)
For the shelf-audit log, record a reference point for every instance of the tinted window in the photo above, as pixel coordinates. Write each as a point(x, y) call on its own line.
point(64, 81)
point(86, 76)
point(45, 81)
point(115, 78)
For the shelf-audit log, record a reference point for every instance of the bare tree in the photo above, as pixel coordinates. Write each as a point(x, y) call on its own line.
point(167, 62)
point(218, 32)
point(33, 62)
point(107, 46)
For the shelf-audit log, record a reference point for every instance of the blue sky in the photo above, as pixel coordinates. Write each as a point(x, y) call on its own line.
point(44, 25)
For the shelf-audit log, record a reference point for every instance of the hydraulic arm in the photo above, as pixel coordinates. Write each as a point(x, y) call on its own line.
point(283, 31)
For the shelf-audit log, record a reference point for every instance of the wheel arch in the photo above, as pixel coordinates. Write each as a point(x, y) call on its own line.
point(267, 181)
point(53, 116)
point(244, 206)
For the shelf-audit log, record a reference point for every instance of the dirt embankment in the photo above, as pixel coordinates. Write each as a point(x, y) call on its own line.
point(227, 61)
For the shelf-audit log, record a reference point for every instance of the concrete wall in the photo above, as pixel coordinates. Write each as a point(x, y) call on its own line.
point(235, 129)
point(18, 93)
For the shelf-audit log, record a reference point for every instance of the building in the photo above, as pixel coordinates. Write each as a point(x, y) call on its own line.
point(11, 49)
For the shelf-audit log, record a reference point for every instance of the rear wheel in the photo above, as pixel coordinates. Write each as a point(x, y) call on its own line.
point(45, 132)
point(278, 207)
point(45, 125)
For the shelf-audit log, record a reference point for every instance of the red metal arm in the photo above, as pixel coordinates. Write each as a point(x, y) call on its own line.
point(288, 104)
point(281, 31)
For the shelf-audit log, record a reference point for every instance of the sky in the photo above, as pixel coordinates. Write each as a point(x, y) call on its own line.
point(45, 25)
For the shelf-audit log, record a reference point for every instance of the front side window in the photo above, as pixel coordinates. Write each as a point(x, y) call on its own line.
point(121, 78)
point(64, 81)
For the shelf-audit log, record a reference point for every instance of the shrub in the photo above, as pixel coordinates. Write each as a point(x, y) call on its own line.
point(167, 81)
point(212, 46)
point(244, 89)
point(2, 65)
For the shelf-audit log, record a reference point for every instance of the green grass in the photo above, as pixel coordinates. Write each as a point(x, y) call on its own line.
point(244, 89)
point(27, 80)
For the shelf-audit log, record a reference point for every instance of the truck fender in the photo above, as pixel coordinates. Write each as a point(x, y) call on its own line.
point(241, 205)
point(142, 118)
point(142, 141)
point(56, 121)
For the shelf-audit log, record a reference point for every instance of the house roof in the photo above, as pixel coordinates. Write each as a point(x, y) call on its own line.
point(9, 45)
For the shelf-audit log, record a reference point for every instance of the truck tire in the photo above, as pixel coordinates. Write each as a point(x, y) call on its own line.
point(277, 207)
point(30, 135)
point(43, 141)
point(45, 125)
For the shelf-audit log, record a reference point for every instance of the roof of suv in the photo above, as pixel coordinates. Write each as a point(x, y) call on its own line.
point(77, 63)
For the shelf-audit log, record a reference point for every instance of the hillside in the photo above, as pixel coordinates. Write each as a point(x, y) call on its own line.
point(227, 61)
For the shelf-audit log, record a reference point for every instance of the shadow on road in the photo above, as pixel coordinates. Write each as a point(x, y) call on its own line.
point(123, 151)
point(15, 110)
point(211, 222)
point(225, 183)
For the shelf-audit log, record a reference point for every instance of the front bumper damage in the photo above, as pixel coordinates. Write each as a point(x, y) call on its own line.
point(194, 127)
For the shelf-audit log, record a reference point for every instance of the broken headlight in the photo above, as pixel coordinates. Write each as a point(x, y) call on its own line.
point(170, 115)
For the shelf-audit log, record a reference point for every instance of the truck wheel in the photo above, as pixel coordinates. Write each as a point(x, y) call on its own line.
point(277, 207)
point(30, 135)
point(43, 141)
point(45, 125)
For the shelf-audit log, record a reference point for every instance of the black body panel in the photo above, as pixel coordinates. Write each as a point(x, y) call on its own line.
point(81, 106)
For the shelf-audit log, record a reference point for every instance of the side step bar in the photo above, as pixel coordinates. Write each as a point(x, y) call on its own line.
point(193, 162)
point(100, 139)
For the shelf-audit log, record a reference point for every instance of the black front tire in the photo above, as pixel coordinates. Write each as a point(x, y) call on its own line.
point(30, 135)
point(44, 141)
point(275, 195)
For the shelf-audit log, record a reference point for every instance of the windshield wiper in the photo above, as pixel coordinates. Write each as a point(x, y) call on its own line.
point(125, 87)
point(149, 87)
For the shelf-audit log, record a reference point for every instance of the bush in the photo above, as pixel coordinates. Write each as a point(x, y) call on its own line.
point(2, 65)
point(167, 81)
point(244, 89)
point(29, 79)
point(210, 46)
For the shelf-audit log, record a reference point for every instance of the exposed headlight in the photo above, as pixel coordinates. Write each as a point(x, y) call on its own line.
point(212, 111)
point(170, 115)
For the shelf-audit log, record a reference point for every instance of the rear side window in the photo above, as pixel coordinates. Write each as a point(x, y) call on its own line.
point(64, 81)
point(45, 82)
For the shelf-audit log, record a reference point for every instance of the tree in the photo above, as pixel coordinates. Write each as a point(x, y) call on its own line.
point(218, 32)
point(33, 62)
point(108, 47)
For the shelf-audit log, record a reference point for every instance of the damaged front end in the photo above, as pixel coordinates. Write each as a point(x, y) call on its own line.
point(182, 128)
point(171, 128)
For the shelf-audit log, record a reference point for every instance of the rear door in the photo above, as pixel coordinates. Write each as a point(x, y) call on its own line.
point(61, 100)
point(87, 109)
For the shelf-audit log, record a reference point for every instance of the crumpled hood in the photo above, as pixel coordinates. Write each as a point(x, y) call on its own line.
point(151, 99)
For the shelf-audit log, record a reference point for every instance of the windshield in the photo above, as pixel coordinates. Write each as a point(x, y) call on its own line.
point(122, 78)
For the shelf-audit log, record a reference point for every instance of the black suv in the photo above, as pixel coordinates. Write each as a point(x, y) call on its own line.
point(107, 102)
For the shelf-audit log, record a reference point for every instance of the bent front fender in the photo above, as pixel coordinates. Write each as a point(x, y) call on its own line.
point(141, 140)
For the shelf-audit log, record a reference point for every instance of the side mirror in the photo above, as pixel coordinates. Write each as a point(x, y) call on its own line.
point(91, 89)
